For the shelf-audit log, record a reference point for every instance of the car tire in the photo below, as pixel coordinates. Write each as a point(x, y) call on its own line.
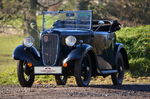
point(25, 74)
point(117, 78)
point(82, 71)
point(61, 79)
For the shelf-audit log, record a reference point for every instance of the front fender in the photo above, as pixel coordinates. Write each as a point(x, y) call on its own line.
point(78, 52)
point(119, 48)
point(27, 54)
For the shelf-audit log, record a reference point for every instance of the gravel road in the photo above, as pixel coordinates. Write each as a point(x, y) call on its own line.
point(74, 92)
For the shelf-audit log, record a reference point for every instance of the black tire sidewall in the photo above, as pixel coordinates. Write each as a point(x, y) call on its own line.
point(77, 71)
point(20, 73)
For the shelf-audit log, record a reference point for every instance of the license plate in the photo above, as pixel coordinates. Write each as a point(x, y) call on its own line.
point(47, 70)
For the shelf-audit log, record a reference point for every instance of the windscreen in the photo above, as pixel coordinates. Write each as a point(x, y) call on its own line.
point(67, 19)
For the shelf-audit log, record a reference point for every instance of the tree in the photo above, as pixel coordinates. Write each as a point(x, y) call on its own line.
point(26, 10)
point(69, 5)
point(9, 9)
point(83, 4)
point(30, 17)
point(1, 4)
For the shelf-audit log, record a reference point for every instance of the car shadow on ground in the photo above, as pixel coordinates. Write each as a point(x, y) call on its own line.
point(130, 87)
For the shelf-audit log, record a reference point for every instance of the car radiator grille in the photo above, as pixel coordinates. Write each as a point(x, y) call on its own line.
point(50, 48)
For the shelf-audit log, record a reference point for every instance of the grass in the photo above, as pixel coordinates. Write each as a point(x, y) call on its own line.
point(7, 64)
point(135, 39)
point(137, 43)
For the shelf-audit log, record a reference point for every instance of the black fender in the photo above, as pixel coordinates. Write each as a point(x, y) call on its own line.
point(78, 52)
point(119, 48)
point(28, 54)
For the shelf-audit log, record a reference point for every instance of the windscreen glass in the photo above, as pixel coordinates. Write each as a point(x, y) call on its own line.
point(67, 19)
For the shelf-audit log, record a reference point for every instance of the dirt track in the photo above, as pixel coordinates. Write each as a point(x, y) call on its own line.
point(74, 92)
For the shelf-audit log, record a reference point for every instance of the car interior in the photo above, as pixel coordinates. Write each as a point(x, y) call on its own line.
point(106, 25)
point(97, 25)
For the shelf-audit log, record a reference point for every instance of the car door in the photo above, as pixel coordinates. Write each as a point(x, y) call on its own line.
point(103, 44)
point(109, 51)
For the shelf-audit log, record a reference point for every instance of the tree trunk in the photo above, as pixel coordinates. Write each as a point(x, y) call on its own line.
point(83, 4)
point(29, 17)
point(1, 4)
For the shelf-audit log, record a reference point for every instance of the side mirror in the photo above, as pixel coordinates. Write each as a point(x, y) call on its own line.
point(101, 22)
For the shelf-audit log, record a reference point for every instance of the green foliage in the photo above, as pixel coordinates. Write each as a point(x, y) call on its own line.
point(9, 10)
point(136, 41)
point(99, 11)
point(129, 12)
point(70, 5)
point(76, 5)
point(83, 4)
point(39, 22)
point(16, 23)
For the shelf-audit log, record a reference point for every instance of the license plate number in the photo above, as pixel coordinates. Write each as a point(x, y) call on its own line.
point(47, 70)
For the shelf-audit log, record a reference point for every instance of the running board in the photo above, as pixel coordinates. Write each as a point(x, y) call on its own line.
point(109, 71)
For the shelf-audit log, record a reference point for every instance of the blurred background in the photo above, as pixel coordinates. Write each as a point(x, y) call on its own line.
point(128, 12)
point(134, 15)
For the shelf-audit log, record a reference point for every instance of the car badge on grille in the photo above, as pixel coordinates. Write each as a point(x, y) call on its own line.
point(45, 38)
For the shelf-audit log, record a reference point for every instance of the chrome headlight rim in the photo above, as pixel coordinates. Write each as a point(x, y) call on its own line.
point(70, 40)
point(28, 41)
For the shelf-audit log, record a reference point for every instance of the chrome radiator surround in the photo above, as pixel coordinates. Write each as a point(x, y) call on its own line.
point(50, 49)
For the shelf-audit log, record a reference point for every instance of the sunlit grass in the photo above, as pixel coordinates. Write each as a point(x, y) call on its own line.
point(7, 64)
point(8, 43)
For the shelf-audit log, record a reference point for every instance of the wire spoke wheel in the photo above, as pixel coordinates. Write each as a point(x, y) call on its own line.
point(61, 79)
point(25, 74)
point(83, 71)
point(117, 78)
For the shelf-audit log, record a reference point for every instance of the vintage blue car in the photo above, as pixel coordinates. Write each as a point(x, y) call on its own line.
point(72, 43)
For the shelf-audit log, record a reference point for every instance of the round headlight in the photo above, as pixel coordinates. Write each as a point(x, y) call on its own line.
point(70, 40)
point(28, 41)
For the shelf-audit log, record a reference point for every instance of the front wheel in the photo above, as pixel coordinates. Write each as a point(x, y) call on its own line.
point(117, 78)
point(25, 74)
point(61, 79)
point(82, 71)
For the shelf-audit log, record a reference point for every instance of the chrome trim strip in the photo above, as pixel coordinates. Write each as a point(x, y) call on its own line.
point(36, 51)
